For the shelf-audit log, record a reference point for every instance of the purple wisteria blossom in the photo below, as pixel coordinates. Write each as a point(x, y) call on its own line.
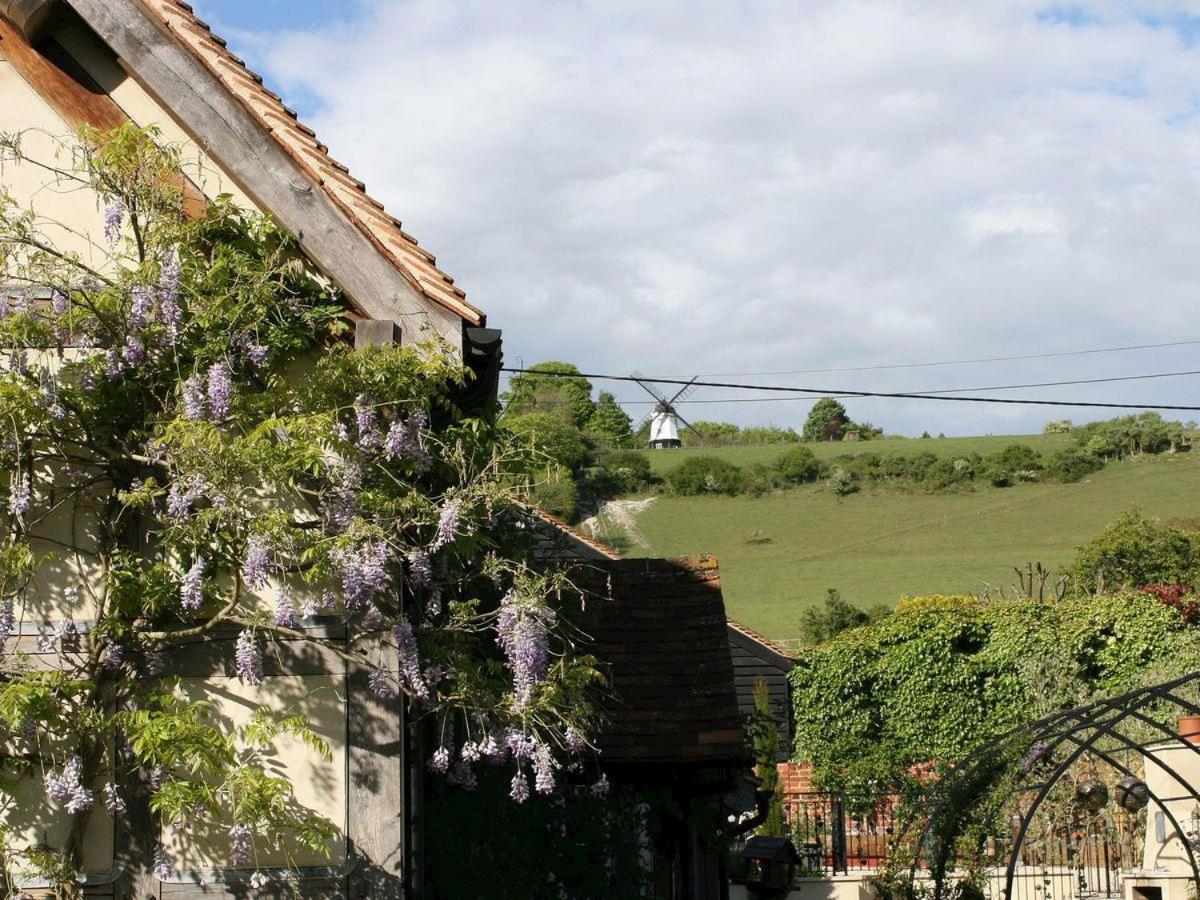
point(519, 744)
point(410, 663)
point(364, 573)
point(239, 850)
point(256, 353)
point(461, 775)
point(114, 365)
point(58, 302)
point(141, 307)
point(195, 406)
point(366, 420)
point(447, 527)
point(50, 400)
point(19, 495)
point(420, 569)
point(285, 610)
point(493, 752)
point(8, 623)
point(341, 503)
point(113, 801)
point(220, 390)
point(114, 218)
point(164, 869)
point(433, 606)
point(168, 295)
point(519, 791)
point(133, 354)
point(247, 658)
point(182, 495)
point(406, 440)
point(191, 589)
point(310, 609)
point(543, 770)
point(380, 684)
point(65, 787)
point(522, 631)
point(440, 761)
point(259, 880)
point(48, 641)
point(576, 743)
point(259, 565)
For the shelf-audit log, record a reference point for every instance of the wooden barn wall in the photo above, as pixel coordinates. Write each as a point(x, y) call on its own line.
point(747, 669)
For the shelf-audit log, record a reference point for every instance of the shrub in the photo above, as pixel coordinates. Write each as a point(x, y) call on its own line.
point(1071, 465)
point(842, 481)
point(768, 434)
point(553, 435)
point(627, 471)
point(557, 494)
point(1137, 550)
point(835, 615)
point(797, 466)
point(1062, 426)
point(706, 475)
point(948, 472)
point(1143, 433)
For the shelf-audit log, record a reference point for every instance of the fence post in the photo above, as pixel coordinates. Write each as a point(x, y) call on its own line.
point(837, 834)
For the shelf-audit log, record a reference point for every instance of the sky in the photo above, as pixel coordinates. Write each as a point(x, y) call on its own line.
point(735, 188)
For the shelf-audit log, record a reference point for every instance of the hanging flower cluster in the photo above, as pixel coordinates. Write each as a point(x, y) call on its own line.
point(236, 502)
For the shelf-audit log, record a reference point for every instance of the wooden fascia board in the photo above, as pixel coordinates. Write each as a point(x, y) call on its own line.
point(224, 128)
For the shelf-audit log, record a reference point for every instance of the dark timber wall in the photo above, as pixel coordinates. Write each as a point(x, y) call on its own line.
point(754, 658)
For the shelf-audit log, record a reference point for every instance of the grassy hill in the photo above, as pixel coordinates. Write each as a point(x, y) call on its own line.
point(780, 552)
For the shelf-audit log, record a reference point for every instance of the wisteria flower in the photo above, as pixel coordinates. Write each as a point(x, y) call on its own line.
point(168, 295)
point(247, 658)
point(141, 307)
point(256, 353)
point(576, 743)
point(364, 573)
point(447, 527)
point(8, 623)
point(519, 791)
point(19, 495)
point(49, 640)
point(182, 495)
point(58, 302)
point(420, 571)
point(195, 405)
point(258, 565)
point(543, 770)
point(65, 787)
point(285, 610)
point(259, 880)
point(239, 851)
point(366, 421)
point(440, 761)
point(112, 656)
point(164, 869)
point(220, 390)
point(380, 684)
point(191, 590)
point(114, 218)
point(522, 631)
point(410, 663)
point(113, 802)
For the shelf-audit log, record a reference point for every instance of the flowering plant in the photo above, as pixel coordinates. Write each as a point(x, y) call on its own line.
point(232, 473)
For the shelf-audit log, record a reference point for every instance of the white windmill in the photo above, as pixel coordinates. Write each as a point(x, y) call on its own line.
point(663, 418)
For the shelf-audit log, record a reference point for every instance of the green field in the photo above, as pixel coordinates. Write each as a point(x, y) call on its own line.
point(779, 553)
point(663, 461)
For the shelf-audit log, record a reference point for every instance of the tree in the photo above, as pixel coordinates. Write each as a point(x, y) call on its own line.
point(229, 503)
point(551, 387)
point(610, 423)
point(551, 435)
point(827, 421)
point(762, 732)
point(797, 465)
point(1137, 550)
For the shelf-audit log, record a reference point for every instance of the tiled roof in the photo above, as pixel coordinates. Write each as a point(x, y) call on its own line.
point(300, 142)
point(758, 638)
point(658, 627)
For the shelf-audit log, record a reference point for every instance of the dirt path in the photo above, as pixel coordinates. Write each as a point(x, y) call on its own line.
point(623, 514)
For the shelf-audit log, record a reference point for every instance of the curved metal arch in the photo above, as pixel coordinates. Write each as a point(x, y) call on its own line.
point(1090, 729)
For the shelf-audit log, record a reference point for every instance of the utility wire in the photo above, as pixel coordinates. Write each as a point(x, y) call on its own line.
point(959, 362)
point(901, 395)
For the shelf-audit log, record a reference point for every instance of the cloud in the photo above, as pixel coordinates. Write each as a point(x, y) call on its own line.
point(754, 187)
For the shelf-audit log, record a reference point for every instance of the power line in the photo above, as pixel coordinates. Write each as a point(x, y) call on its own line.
point(960, 362)
point(899, 395)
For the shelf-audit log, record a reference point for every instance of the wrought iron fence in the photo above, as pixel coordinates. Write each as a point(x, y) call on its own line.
point(1073, 861)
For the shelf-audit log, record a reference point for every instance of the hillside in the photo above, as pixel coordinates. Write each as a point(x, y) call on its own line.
point(781, 551)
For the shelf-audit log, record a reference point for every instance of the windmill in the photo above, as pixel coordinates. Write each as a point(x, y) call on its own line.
point(664, 420)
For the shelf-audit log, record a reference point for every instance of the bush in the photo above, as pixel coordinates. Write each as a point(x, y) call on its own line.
point(1137, 550)
point(948, 472)
point(627, 471)
point(553, 435)
point(1071, 465)
point(556, 494)
point(842, 481)
point(797, 466)
point(1144, 433)
point(835, 615)
point(1062, 426)
point(706, 475)
point(1016, 462)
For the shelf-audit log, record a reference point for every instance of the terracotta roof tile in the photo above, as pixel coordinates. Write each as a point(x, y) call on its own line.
point(299, 141)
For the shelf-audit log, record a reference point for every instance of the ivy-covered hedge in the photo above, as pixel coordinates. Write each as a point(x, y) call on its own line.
point(944, 674)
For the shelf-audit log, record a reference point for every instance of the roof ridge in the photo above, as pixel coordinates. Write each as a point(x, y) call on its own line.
point(299, 141)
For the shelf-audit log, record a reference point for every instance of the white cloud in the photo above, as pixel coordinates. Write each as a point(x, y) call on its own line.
point(683, 187)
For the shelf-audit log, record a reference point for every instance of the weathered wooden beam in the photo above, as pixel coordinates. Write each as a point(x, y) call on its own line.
point(376, 333)
point(29, 17)
point(229, 132)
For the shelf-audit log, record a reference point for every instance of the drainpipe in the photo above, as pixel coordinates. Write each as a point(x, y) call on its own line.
point(28, 16)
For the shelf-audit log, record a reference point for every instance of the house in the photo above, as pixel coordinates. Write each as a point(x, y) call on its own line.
point(101, 63)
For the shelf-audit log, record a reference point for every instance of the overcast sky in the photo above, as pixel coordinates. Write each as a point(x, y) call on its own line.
point(757, 186)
